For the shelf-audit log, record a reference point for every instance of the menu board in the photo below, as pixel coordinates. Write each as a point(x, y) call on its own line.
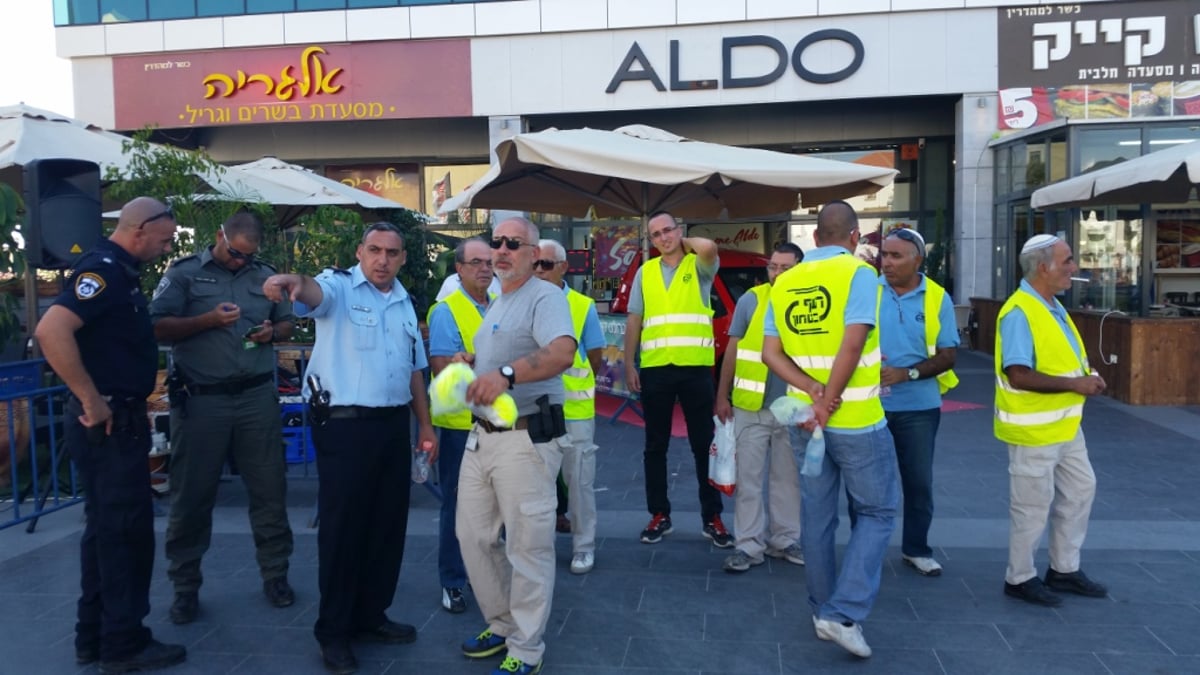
point(1178, 241)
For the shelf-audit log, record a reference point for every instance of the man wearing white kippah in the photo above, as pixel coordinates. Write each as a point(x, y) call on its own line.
point(1042, 380)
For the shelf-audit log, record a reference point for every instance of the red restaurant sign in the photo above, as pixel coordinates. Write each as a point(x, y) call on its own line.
point(313, 83)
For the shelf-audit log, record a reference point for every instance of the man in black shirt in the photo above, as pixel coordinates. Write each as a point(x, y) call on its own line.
point(98, 338)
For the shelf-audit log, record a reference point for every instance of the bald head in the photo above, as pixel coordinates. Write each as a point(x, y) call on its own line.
point(135, 213)
point(836, 224)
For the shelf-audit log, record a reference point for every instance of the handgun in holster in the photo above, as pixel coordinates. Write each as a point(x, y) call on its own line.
point(318, 402)
point(177, 391)
point(548, 422)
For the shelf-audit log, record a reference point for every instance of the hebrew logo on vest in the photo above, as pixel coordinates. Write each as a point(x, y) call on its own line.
point(808, 310)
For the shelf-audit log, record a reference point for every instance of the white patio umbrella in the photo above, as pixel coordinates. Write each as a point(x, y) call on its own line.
point(1165, 176)
point(28, 133)
point(317, 189)
point(638, 170)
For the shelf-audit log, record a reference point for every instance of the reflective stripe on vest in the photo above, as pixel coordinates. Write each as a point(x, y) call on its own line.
point(579, 381)
point(1032, 418)
point(809, 304)
point(749, 371)
point(934, 296)
point(676, 324)
point(468, 320)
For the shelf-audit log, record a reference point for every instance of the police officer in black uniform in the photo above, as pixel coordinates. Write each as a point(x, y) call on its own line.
point(211, 307)
point(97, 337)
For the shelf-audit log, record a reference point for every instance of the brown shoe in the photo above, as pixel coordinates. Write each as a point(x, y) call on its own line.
point(562, 525)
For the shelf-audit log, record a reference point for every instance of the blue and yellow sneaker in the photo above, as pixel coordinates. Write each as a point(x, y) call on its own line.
point(484, 645)
point(514, 665)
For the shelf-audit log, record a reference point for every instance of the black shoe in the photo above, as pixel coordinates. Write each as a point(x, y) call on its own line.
point(1033, 591)
point(659, 526)
point(154, 655)
point(391, 633)
point(453, 600)
point(184, 609)
point(1074, 582)
point(87, 654)
point(338, 658)
point(715, 530)
point(279, 593)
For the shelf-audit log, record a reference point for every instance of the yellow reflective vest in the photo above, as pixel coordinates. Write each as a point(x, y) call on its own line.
point(749, 372)
point(934, 295)
point(676, 324)
point(579, 381)
point(1032, 418)
point(809, 304)
point(468, 320)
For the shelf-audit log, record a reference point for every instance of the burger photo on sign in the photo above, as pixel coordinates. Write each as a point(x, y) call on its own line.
point(1092, 101)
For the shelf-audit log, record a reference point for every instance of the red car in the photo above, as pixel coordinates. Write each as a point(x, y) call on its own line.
point(739, 272)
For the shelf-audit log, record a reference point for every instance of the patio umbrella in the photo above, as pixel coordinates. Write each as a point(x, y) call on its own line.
point(637, 170)
point(320, 190)
point(28, 133)
point(1167, 176)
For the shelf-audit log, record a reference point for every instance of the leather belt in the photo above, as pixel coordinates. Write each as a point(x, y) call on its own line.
point(229, 388)
point(362, 412)
point(522, 423)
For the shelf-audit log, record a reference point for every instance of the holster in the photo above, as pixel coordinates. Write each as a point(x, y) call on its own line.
point(177, 390)
point(548, 422)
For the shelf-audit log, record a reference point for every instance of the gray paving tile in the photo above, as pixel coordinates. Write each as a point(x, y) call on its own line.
point(1108, 611)
point(1141, 664)
point(1180, 638)
point(956, 636)
point(1021, 663)
point(1077, 638)
point(819, 657)
point(713, 655)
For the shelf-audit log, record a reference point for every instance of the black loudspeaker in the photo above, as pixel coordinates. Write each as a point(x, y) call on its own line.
point(62, 211)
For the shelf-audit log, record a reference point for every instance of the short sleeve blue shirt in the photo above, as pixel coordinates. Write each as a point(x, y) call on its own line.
point(445, 339)
point(902, 344)
point(1017, 337)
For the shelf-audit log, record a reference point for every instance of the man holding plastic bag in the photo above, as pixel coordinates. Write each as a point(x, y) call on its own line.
point(764, 449)
point(821, 339)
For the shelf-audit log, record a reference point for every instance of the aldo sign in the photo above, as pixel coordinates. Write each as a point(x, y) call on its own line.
point(636, 66)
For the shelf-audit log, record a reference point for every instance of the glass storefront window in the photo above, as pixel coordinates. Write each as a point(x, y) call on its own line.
point(1003, 158)
point(1099, 148)
point(1059, 165)
point(1164, 137)
point(170, 9)
point(118, 11)
point(1109, 255)
point(219, 7)
point(441, 182)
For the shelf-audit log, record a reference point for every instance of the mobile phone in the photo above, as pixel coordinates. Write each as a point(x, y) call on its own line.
point(253, 330)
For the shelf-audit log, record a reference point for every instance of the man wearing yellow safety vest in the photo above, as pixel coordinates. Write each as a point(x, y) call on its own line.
point(579, 409)
point(1042, 380)
point(918, 336)
point(821, 340)
point(670, 321)
point(453, 323)
point(764, 448)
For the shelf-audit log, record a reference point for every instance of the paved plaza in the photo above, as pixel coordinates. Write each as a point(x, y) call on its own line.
point(669, 609)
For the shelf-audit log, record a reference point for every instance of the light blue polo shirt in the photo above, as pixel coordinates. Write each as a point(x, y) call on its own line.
point(902, 344)
point(1017, 338)
point(367, 343)
point(444, 337)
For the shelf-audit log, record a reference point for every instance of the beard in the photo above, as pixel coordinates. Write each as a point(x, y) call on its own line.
point(506, 274)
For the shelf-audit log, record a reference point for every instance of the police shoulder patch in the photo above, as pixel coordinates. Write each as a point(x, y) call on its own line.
point(163, 285)
point(88, 285)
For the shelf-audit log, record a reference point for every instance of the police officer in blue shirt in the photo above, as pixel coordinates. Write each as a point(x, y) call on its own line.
point(369, 357)
point(98, 338)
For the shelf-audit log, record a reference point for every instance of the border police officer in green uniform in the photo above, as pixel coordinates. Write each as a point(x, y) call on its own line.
point(212, 308)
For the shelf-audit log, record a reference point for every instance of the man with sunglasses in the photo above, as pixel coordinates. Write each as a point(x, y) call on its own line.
point(210, 307)
point(453, 323)
point(670, 322)
point(507, 477)
point(97, 337)
point(369, 358)
point(579, 459)
point(917, 340)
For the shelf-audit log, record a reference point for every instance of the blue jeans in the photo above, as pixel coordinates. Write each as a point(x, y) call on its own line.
point(867, 462)
point(452, 444)
point(914, 432)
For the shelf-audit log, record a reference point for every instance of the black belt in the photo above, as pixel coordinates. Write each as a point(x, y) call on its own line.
point(362, 412)
point(117, 401)
point(229, 388)
point(522, 423)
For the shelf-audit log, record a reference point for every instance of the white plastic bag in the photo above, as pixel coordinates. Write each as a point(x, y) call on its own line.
point(722, 462)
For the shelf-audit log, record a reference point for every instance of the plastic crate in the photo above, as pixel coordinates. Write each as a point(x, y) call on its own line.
point(20, 377)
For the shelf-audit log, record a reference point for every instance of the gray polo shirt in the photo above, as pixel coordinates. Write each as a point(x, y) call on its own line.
point(520, 323)
point(738, 325)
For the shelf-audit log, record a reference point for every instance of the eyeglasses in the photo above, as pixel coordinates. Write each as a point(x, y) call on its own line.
point(546, 264)
point(233, 252)
point(779, 268)
point(664, 232)
point(508, 243)
point(476, 262)
point(162, 214)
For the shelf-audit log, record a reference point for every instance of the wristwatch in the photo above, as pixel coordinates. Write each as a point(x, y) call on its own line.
point(508, 372)
point(914, 374)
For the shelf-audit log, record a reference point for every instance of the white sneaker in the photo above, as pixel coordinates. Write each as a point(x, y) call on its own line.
point(793, 554)
point(849, 637)
point(582, 563)
point(925, 566)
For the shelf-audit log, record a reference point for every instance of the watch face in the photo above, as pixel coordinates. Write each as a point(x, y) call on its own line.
point(507, 371)
point(913, 374)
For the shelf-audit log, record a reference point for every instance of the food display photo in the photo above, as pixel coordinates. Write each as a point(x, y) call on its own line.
point(1178, 244)
point(1092, 101)
point(1187, 98)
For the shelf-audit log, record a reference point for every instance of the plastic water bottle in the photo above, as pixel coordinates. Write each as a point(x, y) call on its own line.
point(814, 454)
point(420, 465)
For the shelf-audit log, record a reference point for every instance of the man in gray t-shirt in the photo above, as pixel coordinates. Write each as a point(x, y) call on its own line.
point(507, 476)
point(764, 449)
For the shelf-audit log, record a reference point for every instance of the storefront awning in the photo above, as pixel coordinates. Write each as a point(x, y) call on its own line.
point(1164, 176)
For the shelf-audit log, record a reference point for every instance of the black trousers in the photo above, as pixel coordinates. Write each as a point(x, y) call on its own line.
point(693, 387)
point(365, 469)
point(116, 553)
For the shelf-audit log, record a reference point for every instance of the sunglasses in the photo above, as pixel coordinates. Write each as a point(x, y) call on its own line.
point(233, 252)
point(162, 214)
point(909, 236)
point(508, 243)
point(664, 232)
point(545, 264)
